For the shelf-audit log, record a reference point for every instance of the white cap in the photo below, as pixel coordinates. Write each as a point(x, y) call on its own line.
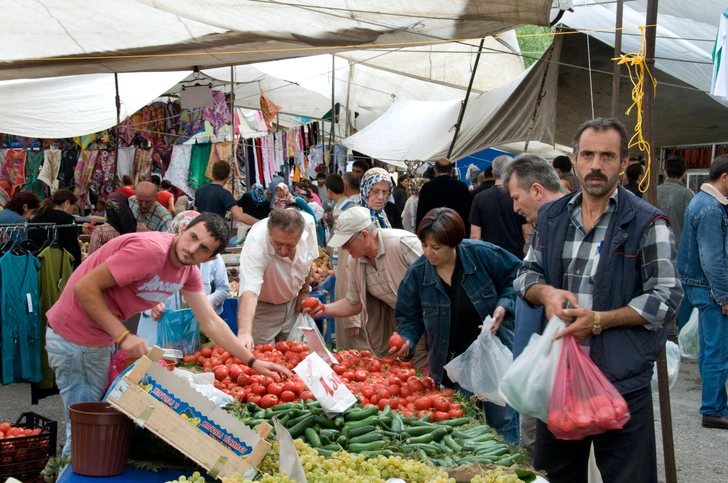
point(351, 222)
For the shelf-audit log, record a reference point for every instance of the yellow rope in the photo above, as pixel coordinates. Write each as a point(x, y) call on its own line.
point(638, 61)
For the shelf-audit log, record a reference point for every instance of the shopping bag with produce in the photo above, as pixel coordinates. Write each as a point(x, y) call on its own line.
point(583, 401)
point(178, 329)
point(481, 367)
point(527, 385)
point(672, 352)
point(687, 339)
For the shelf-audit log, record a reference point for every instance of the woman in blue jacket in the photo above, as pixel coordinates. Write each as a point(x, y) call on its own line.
point(447, 293)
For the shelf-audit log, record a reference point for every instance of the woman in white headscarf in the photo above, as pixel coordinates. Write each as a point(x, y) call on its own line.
point(374, 192)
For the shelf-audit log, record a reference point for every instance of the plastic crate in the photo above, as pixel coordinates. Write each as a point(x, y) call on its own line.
point(24, 457)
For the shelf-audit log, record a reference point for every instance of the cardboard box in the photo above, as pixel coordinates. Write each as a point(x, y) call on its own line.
point(170, 408)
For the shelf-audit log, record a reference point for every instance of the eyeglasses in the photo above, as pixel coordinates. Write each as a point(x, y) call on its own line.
point(380, 193)
point(345, 246)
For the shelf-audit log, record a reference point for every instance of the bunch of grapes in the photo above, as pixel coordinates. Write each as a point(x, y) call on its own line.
point(196, 477)
point(496, 476)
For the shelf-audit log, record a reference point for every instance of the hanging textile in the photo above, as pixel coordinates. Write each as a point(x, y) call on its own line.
point(161, 158)
point(20, 328)
point(219, 152)
point(103, 177)
point(126, 132)
point(269, 110)
point(125, 162)
point(179, 169)
point(153, 124)
point(56, 267)
point(49, 172)
point(190, 123)
point(12, 173)
point(33, 162)
point(69, 159)
point(171, 119)
point(85, 141)
point(83, 175)
point(143, 165)
point(198, 164)
point(218, 115)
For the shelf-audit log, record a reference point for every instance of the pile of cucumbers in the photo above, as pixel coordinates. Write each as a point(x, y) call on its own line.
point(367, 430)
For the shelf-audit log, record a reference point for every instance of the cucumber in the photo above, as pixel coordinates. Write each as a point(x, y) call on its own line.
point(301, 426)
point(419, 422)
point(339, 421)
point(495, 452)
point(392, 435)
point(326, 453)
point(359, 414)
point(313, 404)
point(434, 435)
point(346, 432)
point(325, 422)
point(369, 421)
point(253, 408)
point(507, 461)
point(387, 412)
point(444, 449)
point(332, 447)
point(324, 440)
point(330, 433)
point(342, 441)
point(452, 444)
point(449, 462)
point(397, 424)
point(364, 447)
point(252, 421)
point(353, 433)
point(295, 420)
point(417, 430)
point(425, 418)
point(366, 438)
point(455, 422)
point(428, 449)
point(409, 419)
point(259, 414)
point(480, 439)
point(312, 437)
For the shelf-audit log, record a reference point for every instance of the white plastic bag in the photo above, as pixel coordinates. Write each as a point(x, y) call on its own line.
point(481, 367)
point(288, 459)
point(672, 352)
point(687, 339)
point(204, 383)
point(528, 384)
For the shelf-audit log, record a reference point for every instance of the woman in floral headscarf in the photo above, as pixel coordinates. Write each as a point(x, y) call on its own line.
point(283, 196)
point(214, 280)
point(374, 192)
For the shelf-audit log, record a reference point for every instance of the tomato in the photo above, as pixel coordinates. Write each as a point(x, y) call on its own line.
point(306, 395)
point(288, 396)
point(383, 403)
point(298, 348)
point(374, 399)
point(416, 385)
point(360, 376)
point(235, 372)
point(4, 427)
point(268, 401)
point(275, 388)
point(620, 408)
point(266, 348)
point(201, 359)
point(311, 302)
point(428, 382)
point(374, 365)
point(405, 391)
point(348, 375)
point(294, 358)
point(253, 398)
point(281, 347)
point(396, 341)
point(447, 391)
point(442, 416)
point(456, 413)
point(423, 403)
point(221, 372)
point(265, 380)
point(206, 352)
point(237, 392)
point(299, 387)
point(215, 361)
point(393, 390)
point(403, 374)
point(559, 420)
point(441, 404)
point(189, 358)
point(259, 389)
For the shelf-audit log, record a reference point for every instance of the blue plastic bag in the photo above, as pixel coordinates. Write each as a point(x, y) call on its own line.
point(178, 329)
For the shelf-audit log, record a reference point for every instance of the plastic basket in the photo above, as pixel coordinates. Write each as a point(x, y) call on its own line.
point(24, 457)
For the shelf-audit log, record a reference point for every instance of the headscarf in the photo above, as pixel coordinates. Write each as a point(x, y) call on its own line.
point(119, 215)
point(372, 176)
point(415, 185)
point(258, 194)
point(182, 220)
point(286, 199)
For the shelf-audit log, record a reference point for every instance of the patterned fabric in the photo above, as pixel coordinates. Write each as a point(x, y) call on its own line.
point(581, 254)
point(269, 110)
point(182, 220)
point(49, 171)
point(190, 123)
point(105, 233)
point(286, 199)
point(219, 152)
point(143, 165)
point(69, 159)
point(156, 219)
point(170, 123)
point(83, 175)
point(258, 194)
point(126, 132)
point(12, 173)
point(218, 115)
point(153, 124)
point(33, 162)
point(161, 158)
point(179, 169)
point(103, 176)
point(372, 176)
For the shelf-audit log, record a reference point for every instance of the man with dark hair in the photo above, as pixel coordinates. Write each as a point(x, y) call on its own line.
point(634, 173)
point(275, 266)
point(322, 194)
point(703, 267)
point(603, 261)
point(673, 197)
point(359, 167)
point(214, 198)
point(486, 181)
point(444, 191)
point(563, 166)
point(124, 277)
point(492, 217)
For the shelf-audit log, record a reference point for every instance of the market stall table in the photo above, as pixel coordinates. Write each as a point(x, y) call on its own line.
point(131, 475)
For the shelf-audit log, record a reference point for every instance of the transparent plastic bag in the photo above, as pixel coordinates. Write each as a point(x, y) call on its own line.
point(687, 339)
point(178, 329)
point(672, 352)
point(527, 385)
point(583, 401)
point(116, 366)
point(481, 367)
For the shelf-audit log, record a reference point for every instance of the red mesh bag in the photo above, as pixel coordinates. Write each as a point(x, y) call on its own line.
point(583, 402)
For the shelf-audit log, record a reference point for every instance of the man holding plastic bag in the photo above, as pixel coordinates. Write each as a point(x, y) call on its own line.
point(604, 261)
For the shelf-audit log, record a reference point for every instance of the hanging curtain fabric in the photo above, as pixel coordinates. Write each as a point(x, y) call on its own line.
point(219, 114)
point(179, 169)
point(21, 342)
point(125, 162)
point(83, 175)
point(103, 176)
point(199, 159)
point(12, 172)
point(66, 178)
point(219, 152)
point(269, 110)
point(143, 165)
point(33, 162)
point(49, 172)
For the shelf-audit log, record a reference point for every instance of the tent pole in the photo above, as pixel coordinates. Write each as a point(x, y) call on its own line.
point(333, 104)
point(118, 122)
point(465, 101)
point(617, 52)
point(347, 131)
point(233, 156)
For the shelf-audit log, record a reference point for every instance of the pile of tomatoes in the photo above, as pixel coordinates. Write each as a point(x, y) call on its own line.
point(376, 382)
point(8, 431)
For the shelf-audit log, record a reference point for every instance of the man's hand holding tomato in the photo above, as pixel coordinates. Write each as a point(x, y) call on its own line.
point(398, 347)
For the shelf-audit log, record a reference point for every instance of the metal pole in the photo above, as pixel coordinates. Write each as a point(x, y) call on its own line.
point(233, 158)
point(333, 105)
point(465, 101)
point(118, 121)
point(617, 52)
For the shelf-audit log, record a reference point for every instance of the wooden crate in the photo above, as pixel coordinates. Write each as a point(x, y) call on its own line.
point(160, 419)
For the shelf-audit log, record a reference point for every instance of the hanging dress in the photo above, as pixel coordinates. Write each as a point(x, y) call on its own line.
point(33, 162)
point(12, 172)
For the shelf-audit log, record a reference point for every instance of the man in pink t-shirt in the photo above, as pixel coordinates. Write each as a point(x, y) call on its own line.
point(129, 274)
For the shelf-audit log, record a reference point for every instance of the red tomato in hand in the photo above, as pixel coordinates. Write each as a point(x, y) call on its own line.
point(396, 341)
point(311, 303)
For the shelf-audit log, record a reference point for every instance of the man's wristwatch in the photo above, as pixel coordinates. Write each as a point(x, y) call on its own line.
point(597, 323)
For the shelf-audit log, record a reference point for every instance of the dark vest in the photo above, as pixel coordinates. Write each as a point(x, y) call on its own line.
point(624, 354)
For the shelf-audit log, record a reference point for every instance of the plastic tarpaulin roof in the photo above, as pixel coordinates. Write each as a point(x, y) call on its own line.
point(413, 130)
point(69, 37)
